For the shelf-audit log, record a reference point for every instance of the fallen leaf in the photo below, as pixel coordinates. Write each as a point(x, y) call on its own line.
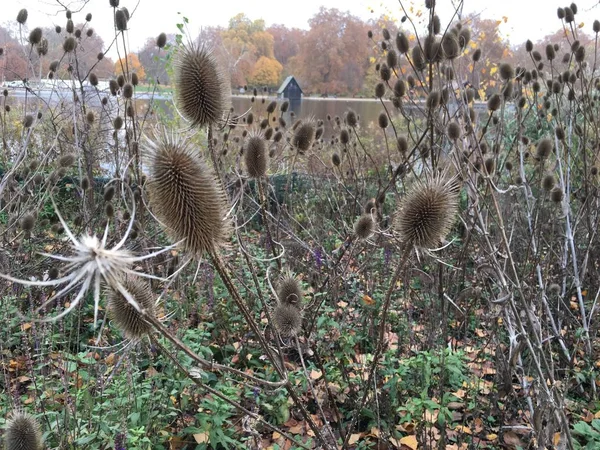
point(410, 442)
point(202, 438)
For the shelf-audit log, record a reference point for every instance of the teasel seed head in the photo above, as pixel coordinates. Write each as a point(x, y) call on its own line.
point(476, 55)
point(127, 90)
point(383, 120)
point(271, 107)
point(433, 100)
point(304, 135)
point(255, 156)
point(569, 15)
point(450, 46)
point(28, 222)
point(426, 214)
point(287, 319)
point(490, 166)
point(557, 195)
point(66, 160)
point(464, 37)
point(351, 119)
point(201, 85)
point(35, 36)
point(548, 182)
point(22, 16)
point(392, 58)
point(402, 144)
point(384, 72)
point(23, 432)
point(28, 121)
point(289, 290)
point(364, 226)
point(402, 43)
point(494, 102)
point(544, 148)
point(453, 131)
point(418, 58)
point(506, 71)
point(118, 123)
point(109, 193)
point(186, 195)
point(125, 317)
point(69, 44)
point(336, 160)
point(120, 20)
point(379, 90)
point(161, 40)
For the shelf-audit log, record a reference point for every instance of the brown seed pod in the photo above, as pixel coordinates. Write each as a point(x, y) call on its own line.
point(289, 290)
point(427, 212)
point(557, 195)
point(127, 91)
point(109, 210)
point(35, 36)
point(186, 195)
point(124, 315)
point(28, 121)
point(490, 166)
point(27, 222)
point(304, 136)
point(202, 89)
point(402, 144)
point(548, 182)
point(476, 55)
point(453, 131)
point(494, 102)
point(118, 123)
point(161, 40)
point(22, 16)
point(402, 43)
point(383, 120)
point(450, 46)
point(544, 148)
point(23, 432)
point(506, 71)
point(364, 226)
point(379, 90)
point(66, 160)
point(351, 119)
point(69, 44)
point(121, 20)
point(255, 156)
point(336, 160)
point(287, 320)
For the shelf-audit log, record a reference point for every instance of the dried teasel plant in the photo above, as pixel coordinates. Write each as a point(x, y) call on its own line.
point(427, 212)
point(23, 432)
point(185, 194)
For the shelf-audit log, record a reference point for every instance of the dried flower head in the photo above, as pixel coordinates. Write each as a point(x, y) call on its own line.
point(288, 320)
point(544, 148)
point(201, 85)
point(127, 318)
point(35, 36)
point(22, 16)
point(23, 432)
point(304, 135)
point(255, 156)
point(364, 226)
point(289, 290)
point(186, 195)
point(426, 213)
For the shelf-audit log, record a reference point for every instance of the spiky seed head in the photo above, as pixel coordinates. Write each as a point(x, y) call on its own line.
point(22, 16)
point(255, 156)
point(364, 226)
point(476, 55)
point(550, 52)
point(127, 91)
point(284, 106)
point(28, 222)
point(269, 133)
point(289, 290)
point(490, 166)
point(109, 193)
point(58, 29)
point(304, 136)
point(557, 195)
point(464, 37)
point(450, 46)
point(120, 20)
point(379, 90)
point(70, 27)
point(580, 54)
point(135, 80)
point(433, 99)
point(35, 36)
point(548, 182)
point(23, 432)
point(88, 17)
point(544, 148)
point(384, 72)
point(93, 79)
point(66, 160)
point(554, 289)
point(435, 26)
point(402, 43)
point(399, 88)
point(427, 212)
point(383, 120)
point(402, 144)
point(351, 118)
point(28, 121)
point(121, 80)
point(392, 58)
point(288, 320)
point(560, 132)
point(89, 117)
point(186, 195)
point(494, 103)
point(85, 183)
point(453, 130)
point(118, 123)
point(506, 71)
point(201, 86)
point(161, 40)
point(418, 58)
point(386, 34)
point(336, 160)
point(569, 15)
point(271, 107)
point(69, 44)
point(124, 315)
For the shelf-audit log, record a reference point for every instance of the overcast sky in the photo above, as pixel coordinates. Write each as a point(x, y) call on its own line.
point(527, 19)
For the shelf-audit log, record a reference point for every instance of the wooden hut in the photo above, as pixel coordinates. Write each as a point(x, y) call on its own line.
point(290, 89)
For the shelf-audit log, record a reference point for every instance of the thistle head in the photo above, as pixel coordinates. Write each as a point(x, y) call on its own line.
point(427, 212)
point(122, 312)
point(23, 432)
point(186, 195)
point(202, 89)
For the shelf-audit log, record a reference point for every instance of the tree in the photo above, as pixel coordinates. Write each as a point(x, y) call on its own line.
point(133, 64)
point(152, 60)
point(285, 42)
point(266, 72)
point(334, 54)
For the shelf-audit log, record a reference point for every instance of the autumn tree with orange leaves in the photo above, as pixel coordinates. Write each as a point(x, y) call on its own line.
point(134, 65)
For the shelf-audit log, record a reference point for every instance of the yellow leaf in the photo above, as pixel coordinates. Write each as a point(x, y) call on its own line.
point(556, 438)
point(315, 374)
point(493, 70)
point(410, 442)
point(26, 326)
point(580, 25)
point(201, 438)
point(463, 429)
point(368, 300)
point(491, 437)
point(354, 438)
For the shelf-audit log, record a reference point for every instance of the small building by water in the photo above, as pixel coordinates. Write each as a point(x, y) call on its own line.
point(290, 89)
